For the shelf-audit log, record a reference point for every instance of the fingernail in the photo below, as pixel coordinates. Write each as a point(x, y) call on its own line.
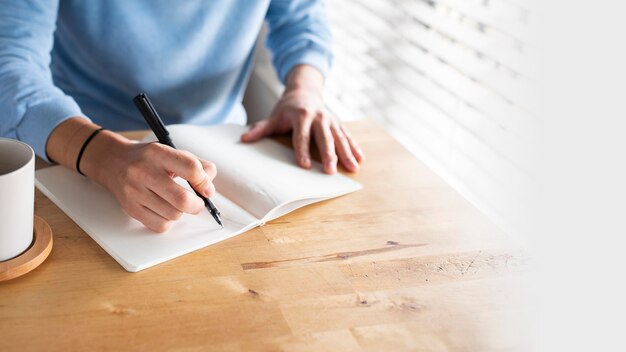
point(332, 168)
point(355, 165)
point(306, 161)
point(210, 189)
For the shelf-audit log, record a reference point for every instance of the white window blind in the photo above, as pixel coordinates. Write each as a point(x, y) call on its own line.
point(451, 80)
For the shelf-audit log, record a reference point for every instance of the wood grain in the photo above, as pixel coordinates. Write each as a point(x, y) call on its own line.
point(404, 264)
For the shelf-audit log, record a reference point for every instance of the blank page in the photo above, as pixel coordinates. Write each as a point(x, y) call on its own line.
point(259, 176)
point(135, 247)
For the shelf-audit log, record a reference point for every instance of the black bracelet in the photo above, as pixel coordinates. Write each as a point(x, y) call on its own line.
point(82, 149)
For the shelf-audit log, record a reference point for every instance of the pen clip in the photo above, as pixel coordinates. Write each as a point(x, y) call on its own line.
point(150, 115)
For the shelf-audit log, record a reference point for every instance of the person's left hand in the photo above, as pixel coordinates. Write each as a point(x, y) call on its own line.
point(301, 109)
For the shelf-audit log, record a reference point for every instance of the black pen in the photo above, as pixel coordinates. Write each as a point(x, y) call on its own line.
point(154, 121)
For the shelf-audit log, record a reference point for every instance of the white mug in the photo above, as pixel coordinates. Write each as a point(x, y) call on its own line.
point(17, 197)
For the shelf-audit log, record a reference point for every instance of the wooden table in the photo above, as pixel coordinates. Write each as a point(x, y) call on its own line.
point(404, 264)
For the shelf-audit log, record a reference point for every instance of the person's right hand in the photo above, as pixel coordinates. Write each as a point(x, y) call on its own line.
point(141, 177)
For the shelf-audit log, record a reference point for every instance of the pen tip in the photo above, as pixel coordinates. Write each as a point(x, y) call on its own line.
point(216, 216)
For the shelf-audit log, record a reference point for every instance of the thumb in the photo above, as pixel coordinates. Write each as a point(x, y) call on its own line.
point(259, 130)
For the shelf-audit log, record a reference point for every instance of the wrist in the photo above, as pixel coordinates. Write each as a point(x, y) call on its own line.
point(305, 78)
point(65, 141)
point(103, 156)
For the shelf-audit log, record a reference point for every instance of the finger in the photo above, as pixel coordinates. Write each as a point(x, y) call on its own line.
point(325, 143)
point(149, 218)
point(343, 149)
point(354, 146)
point(209, 168)
point(211, 171)
point(259, 130)
point(187, 166)
point(178, 196)
point(302, 140)
point(160, 206)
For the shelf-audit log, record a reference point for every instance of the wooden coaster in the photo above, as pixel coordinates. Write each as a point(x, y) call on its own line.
point(33, 256)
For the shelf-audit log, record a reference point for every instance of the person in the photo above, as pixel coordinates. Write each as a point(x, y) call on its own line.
point(69, 67)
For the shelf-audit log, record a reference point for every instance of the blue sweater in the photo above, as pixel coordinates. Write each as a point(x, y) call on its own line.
point(67, 58)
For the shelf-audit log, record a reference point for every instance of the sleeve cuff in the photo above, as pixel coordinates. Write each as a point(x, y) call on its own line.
point(309, 56)
point(40, 119)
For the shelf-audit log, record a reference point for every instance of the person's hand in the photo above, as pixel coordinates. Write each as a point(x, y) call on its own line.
point(141, 177)
point(301, 109)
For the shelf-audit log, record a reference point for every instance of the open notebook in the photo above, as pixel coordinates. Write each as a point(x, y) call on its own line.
point(256, 183)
